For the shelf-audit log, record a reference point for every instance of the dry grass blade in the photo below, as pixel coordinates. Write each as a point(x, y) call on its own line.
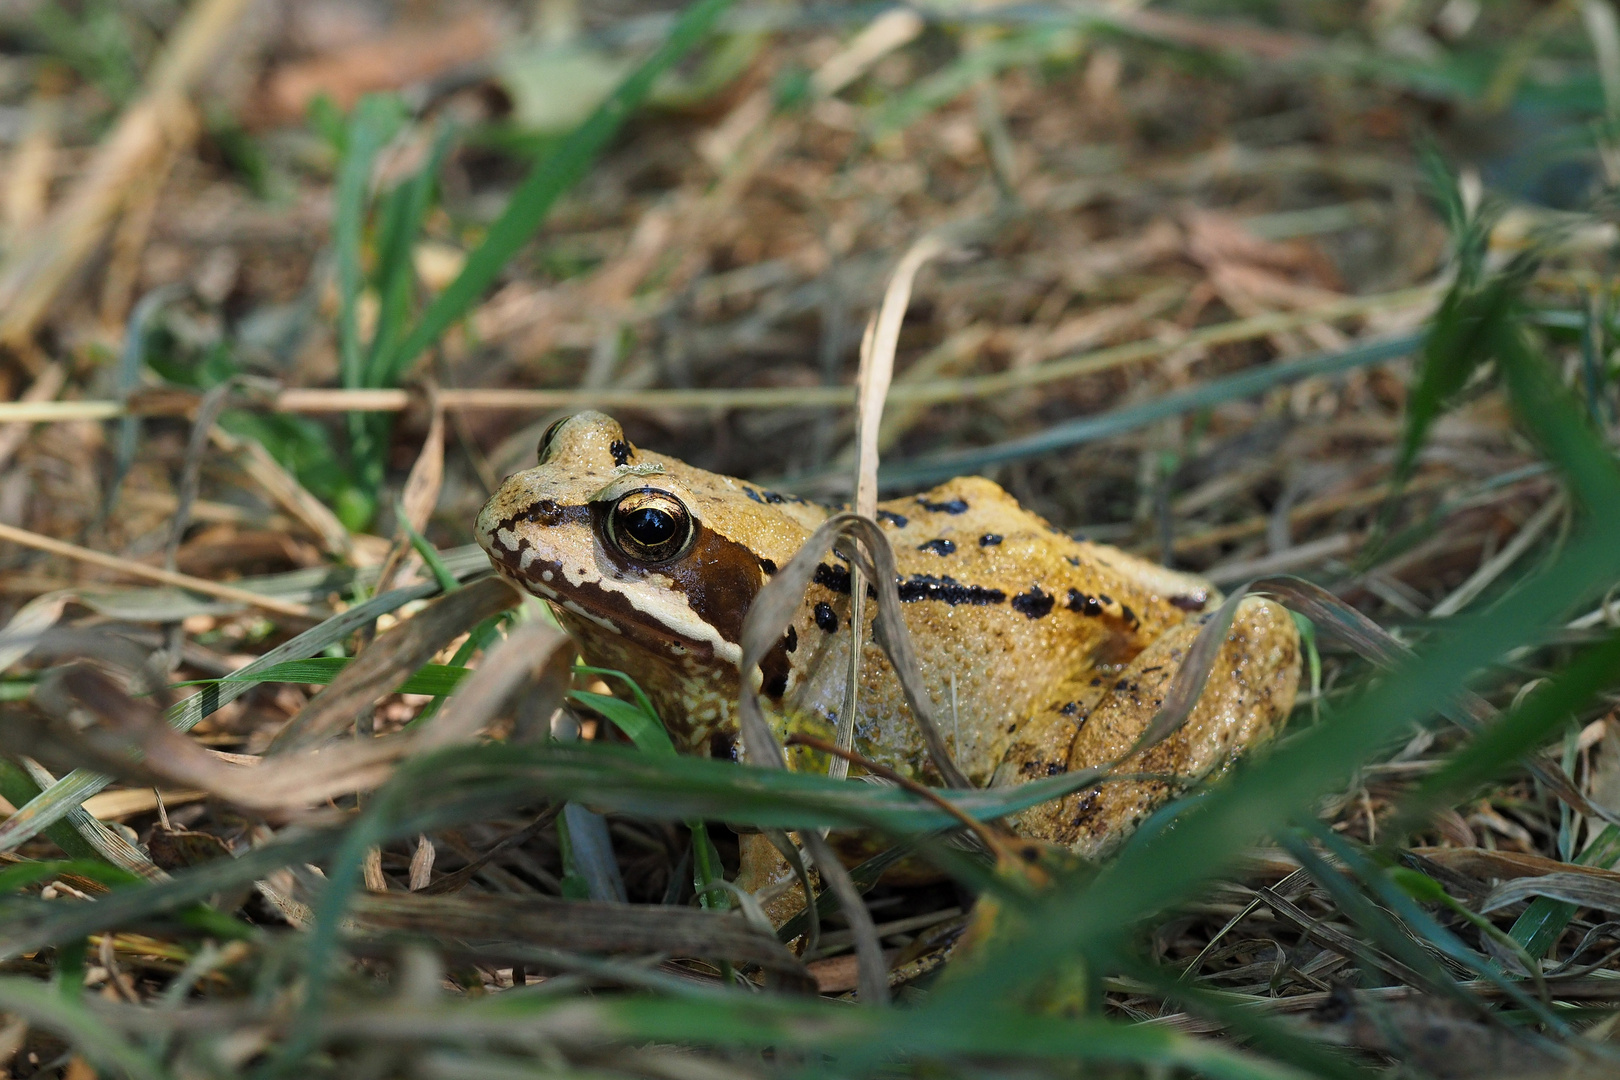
point(284, 488)
point(103, 726)
point(583, 926)
point(872, 389)
point(533, 652)
point(877, 366)
point(23, 632)
point(1190, 678)
point(1487, 863)
point(152, 573)
point(422, 486)
point(390, 658)
point(1585, 890)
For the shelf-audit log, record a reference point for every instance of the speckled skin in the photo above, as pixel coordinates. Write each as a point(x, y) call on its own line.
point(1060, 649)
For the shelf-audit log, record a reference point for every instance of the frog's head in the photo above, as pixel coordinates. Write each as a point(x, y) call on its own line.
point(651, 563)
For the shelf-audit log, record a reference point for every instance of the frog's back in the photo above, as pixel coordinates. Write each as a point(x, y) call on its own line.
point(1002, 608)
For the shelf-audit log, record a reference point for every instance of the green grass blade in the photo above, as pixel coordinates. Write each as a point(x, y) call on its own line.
point(1537, 928)
point(560, 171)
point(403, 213)
point(432, 679)
point(638, 726)
point(376, 118)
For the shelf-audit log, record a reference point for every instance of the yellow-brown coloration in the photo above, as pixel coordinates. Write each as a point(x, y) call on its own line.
point(1060, 649)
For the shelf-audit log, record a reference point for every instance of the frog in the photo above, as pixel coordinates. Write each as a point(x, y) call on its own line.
point(1043, 653)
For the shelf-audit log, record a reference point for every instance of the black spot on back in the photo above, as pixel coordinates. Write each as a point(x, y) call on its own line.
point(835, 578)
point(1070, 708)
point(1034, 603)
point(1083, 603)
point(947, 589)
point(989, 539)
point(622, 451)
point(767, 565)
point(826, 618)
point(950, 506)
point(1190, 601)
point(939, 547)
point(791, 639)
point(892, 518)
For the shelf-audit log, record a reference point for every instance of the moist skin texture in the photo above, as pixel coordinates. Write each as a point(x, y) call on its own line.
point(1060, 650)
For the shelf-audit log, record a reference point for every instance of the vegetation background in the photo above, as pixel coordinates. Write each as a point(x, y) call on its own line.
point(1316, 296)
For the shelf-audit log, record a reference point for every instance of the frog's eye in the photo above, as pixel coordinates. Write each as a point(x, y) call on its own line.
point(545, 440)
point(649, 525)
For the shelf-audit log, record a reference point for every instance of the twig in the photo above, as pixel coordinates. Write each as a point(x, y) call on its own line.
point(151, 573)
point(765, 397)
point(46, 385)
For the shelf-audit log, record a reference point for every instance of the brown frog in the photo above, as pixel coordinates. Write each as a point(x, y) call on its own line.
point(1043, 653)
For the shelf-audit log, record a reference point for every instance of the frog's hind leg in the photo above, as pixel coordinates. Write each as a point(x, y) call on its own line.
point(1248, 696)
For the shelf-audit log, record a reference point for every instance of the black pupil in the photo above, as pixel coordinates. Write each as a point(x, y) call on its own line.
point(650, 527)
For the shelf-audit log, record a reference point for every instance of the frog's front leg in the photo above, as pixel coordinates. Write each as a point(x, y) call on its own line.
point(1246, 700)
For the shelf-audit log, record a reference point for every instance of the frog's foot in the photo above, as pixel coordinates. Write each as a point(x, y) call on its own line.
point(1248, 696)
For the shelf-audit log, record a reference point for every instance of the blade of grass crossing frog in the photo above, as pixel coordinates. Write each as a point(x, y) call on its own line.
point(1539, 926)
point(558, 172)
point(630, 684)
point(1188, 683)
point(41, 1006)
point(1282, 785)
point(67, 793)
point(680, 787)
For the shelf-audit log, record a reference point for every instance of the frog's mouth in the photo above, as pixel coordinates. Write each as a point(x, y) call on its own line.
point(609, 614)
